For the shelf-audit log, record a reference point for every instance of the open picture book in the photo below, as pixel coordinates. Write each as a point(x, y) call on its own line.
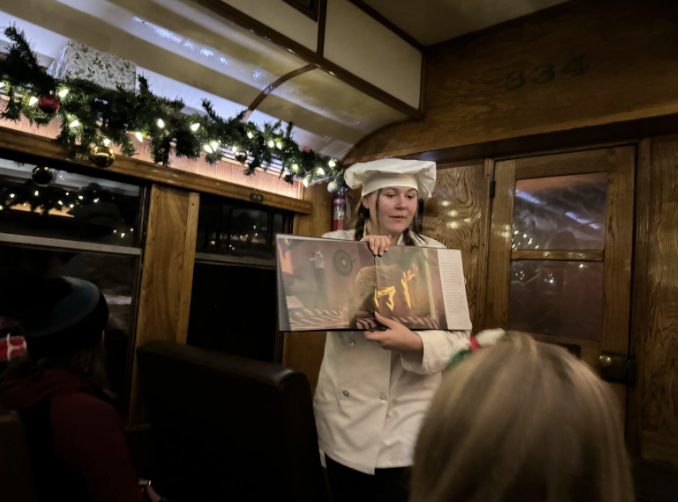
point(326, 284)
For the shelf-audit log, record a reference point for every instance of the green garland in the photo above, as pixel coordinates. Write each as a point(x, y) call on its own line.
point(94, 115)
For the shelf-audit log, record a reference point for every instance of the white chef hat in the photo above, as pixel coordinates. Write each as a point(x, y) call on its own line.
point(384, 173)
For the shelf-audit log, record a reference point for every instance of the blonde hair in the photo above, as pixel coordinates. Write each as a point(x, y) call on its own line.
point(522, 421)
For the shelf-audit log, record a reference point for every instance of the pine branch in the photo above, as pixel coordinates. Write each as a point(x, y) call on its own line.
point(93, 115)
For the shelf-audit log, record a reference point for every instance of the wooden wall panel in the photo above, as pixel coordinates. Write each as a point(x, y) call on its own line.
point(167, 277)
point(457, 215)
point(304, 351)
point(629, 51)
point(499, 254)
point(655, 301)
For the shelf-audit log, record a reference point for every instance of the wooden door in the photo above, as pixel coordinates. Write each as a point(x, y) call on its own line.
point(560, 254)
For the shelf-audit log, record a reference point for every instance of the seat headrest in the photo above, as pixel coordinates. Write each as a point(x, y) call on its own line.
point(180, 355)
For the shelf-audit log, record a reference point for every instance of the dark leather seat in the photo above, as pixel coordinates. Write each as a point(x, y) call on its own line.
point(15, 464)
point(229, 428)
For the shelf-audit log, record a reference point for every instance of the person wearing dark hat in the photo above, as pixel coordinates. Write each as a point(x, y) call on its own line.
point(59, 387)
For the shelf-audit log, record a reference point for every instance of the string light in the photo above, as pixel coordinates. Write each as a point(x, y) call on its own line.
point(36, 193)
point(305, 182)
point(80, 197)
point(61, 203)
point(1, 208)
point(275, 139)
point(11, 196)
point(96, 201)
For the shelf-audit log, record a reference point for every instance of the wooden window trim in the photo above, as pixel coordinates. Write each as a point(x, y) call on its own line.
point(28, 144)
point(561, 165)
point(558, 255)
point(67, 244)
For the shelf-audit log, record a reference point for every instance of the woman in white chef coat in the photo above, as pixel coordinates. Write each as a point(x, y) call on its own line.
point(374, 387)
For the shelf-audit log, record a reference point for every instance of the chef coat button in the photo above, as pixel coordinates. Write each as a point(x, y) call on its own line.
point(383, 397)
point(346, 393)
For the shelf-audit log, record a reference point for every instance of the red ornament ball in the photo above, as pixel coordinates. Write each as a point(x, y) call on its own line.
point(49, 103)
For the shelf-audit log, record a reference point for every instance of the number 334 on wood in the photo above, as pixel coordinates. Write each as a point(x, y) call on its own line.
point(544, 73)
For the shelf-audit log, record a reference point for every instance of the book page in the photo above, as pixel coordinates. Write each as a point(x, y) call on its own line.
point(324, 284)
point(409, 289)
point(454, 289)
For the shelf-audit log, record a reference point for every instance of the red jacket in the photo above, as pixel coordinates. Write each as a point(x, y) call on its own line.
point(88, 457)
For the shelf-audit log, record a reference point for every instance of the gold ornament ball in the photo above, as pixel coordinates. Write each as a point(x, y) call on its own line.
point(241, 156)
point(102, 156)
point(42, 175)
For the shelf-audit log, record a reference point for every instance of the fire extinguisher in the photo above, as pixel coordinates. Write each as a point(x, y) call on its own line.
point(338, 212)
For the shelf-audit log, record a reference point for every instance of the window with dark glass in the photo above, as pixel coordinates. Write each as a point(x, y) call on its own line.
point(238, 229)
point(60, 223)
point(36, 200)
point(233, 303)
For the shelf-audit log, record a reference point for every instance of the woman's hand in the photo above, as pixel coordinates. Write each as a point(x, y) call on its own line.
point(378, 244)
point(395, 337)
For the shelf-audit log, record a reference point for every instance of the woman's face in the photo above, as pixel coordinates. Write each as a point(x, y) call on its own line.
point(396, 209)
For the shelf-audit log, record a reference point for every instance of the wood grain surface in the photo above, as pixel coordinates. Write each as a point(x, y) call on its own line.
point(457, 215)
point(499, 258)
point(654, 402)
point(618, 249)
point(167, 277)
point(629, 49)
point(558, 255)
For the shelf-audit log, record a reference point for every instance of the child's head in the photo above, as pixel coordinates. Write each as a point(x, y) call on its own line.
point(62, 320)
point(522, 421)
